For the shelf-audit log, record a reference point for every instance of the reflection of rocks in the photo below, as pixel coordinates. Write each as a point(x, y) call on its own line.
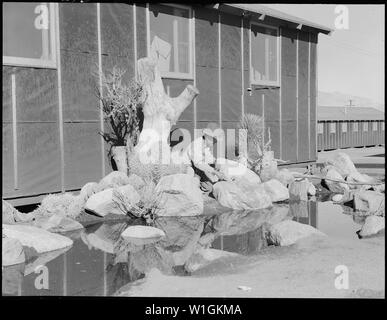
point(240, 222)
point(43, 259)
point(182, 235)
point(12, 252)
point(276, 190)
point(39, 239)
point(289, 232)
point(180, 196)
point(105, 237)
point(372, 225)
point(12, 278)
point(151, 256)
point(204, 256)
point(212, 207)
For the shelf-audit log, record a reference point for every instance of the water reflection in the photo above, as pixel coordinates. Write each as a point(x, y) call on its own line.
point(100, 261)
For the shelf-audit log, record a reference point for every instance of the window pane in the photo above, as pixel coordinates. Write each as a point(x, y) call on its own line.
point(169, 38)
point(383, 126)
point(263, 53)
point(320, 128)
point(344, 127)
point(365, 126)
point(333, 127)
point(26, 30)
point(375, 126)
point(355, 127)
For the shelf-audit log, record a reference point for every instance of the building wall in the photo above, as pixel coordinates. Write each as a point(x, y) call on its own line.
point(221, 74)
point(351, 138)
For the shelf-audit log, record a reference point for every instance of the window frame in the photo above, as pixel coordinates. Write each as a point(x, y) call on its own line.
point(34, 62)
point(332, 125)
point(320, 128)
point(265, 82)
point(191, 28)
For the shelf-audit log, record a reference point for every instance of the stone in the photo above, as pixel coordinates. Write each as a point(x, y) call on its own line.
point(105, 237)
point(236, 171)
point(66, 204)
point(372, 202)
point(36, 238)
point(114, 179)
point(242, 196)
point(343, 164)
point(103, 202)
point(288, 232)
point(276, 190)
point(300, 189)
point(372, 225)
point(12, 215)
point(180, 195)
point(334, 186)
point(285, 177)
point(212, 207)
point(58, 223)
point(142, 234)
point(269, 169)
point(12, 252)
point(204, 256)
point(88, 190)
point(337, 198)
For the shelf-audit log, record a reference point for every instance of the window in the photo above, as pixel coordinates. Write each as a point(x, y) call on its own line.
point(365, 126)
point(344, 127)
point(170, 40)
point(29, 34)
point(374, 126)
point(382, 125)
point(355, 127)
point(320, 128)
point(264, 57)
point(333, 127)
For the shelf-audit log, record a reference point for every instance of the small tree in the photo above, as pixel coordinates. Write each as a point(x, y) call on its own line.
point(122, 108)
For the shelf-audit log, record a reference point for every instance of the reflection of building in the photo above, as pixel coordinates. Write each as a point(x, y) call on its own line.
point(345, 127)
point(50, 119)
point(305, 212)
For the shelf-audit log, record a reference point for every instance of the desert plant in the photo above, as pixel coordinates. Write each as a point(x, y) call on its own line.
point(121, 104)
point(253, 128)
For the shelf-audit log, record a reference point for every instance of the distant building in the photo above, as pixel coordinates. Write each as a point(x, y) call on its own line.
point(346, 127)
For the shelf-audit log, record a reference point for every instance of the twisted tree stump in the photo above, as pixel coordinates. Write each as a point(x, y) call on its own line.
point(161, 112)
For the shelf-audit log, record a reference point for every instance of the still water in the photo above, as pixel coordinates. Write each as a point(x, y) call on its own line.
point(91, 267)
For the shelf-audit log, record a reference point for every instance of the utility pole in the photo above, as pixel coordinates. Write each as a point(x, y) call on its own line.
point(350, 105)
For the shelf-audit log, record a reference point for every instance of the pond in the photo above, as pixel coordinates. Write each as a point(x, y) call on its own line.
point(91, 267)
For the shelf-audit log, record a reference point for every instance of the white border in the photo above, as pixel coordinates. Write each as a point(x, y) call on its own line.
point(38, 63)
point(264, 82)
point(175, 75)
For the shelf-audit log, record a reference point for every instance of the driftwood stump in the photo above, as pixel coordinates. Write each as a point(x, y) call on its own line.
point(161, 112)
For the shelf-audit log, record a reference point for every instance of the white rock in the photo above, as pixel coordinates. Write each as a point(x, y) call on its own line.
point(39, 239)
point(102, 203)
point(236, 170)
point(337, 197)
point(142, 234)
point(311, 189)
point(343, 164)
point(288, 232)
point(12, 252)
point(204, 256)
point(372, 225)
point(285, 177)
point(333, 186)
point(58, 223)
point(114, 179)
point(276, 190)
point(180, 195)
point(371, 201)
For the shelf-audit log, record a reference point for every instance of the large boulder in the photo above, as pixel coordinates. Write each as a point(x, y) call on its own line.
point(136, 181)
point(36, 238)
point(343, 164)
point(104, 202)
point(12, 252)
point(238, 197)
point(334, 186)
point(114, 179)
point(12, 215)
point(276, 190)
point(372, 202)
point(58, 223)
point(88, 190)
point(180, 195)
point(372, 225)
point(66, 204)
point(236, 171)
point(288, 232)
point(285, 177)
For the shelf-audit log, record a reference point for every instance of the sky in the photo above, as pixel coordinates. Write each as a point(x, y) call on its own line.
point(349, 61)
